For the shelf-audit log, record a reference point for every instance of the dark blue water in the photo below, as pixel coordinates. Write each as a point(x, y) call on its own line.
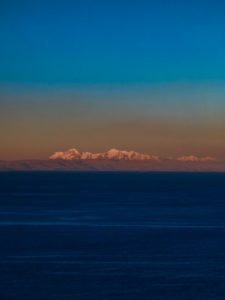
point(112, 236)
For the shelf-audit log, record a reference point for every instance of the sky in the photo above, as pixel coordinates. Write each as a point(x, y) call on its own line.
point(134, 75)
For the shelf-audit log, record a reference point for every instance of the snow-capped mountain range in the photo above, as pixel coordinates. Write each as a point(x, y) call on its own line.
point(115, 154)
point(114, 160)
point(112, 154)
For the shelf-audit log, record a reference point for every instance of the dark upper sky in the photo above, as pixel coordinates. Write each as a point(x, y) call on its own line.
point(92, 41)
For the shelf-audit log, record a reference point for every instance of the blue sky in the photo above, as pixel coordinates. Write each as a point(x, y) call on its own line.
point(111, 42)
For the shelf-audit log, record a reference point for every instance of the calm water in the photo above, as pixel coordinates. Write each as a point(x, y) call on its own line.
point(112, 236)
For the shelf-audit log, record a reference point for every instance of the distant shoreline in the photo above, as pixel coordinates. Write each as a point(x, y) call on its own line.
point(106, 165)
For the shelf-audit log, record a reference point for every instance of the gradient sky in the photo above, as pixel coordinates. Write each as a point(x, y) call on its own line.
point(141, 75)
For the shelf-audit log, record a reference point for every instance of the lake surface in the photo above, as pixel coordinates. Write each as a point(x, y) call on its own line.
point(112, 236)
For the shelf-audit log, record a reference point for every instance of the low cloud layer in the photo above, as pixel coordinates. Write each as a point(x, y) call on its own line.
point(114, 154)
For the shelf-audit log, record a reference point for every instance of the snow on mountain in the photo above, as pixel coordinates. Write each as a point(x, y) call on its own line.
point(112, 154)
point(115, 154)
point(67, 155)
point(195, 158)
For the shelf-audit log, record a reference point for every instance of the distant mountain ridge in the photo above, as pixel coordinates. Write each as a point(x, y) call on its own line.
point(161, 165)
point(113, 153)
point(114, 160)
